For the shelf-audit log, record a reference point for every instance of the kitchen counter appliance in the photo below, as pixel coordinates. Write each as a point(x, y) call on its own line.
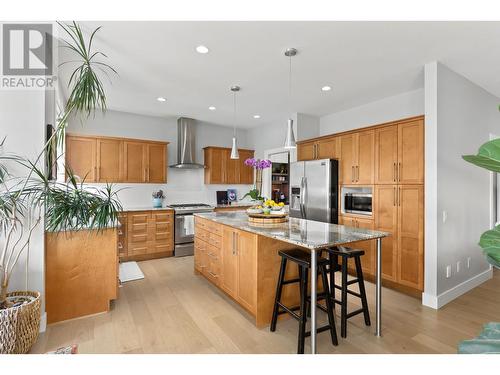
point(184, 226)
point(314, 190)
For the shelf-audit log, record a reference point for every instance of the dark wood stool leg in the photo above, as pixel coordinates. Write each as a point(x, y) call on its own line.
point(277, 297)
point(343, 314)
point(362, 291)
point(329, 307)
point(303, 306)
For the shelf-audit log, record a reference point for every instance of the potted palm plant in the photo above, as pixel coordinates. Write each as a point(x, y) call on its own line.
point(24, 201)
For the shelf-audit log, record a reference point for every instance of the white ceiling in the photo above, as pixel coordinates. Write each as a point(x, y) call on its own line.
point(362, 61)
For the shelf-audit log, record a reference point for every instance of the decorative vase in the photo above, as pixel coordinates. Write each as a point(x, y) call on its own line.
point(157, 202)
point(19, 325)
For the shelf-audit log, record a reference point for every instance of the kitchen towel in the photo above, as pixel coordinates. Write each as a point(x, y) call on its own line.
point(189, 225)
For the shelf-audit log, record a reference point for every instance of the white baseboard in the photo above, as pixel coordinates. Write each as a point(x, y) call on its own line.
point(436, 302)
point(43, 322)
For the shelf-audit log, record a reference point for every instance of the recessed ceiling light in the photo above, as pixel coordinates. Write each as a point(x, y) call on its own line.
point(256, 116)
point(212, 108)
point(161, 99)
point(326, 88)
point(202, 49)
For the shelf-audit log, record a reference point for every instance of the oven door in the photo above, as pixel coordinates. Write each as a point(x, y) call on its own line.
point(358, 204)
point(184, 228)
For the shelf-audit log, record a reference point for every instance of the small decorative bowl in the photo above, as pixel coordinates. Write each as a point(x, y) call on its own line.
point(276, 208)
point(266, 210)
point(254, 210)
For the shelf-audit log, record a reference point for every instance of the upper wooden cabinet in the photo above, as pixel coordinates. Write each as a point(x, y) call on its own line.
point(221, 169)
point(399, 153)
point(357, 158)
point(81, 157)
point(324, 148)
point(109, 159)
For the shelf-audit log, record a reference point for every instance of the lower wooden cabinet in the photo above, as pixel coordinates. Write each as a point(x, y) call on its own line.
point(367, 260)
point(399, 210)
point(146, 235)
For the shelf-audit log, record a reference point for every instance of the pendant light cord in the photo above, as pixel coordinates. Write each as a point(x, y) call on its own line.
point(290, 85)
point(234, 113)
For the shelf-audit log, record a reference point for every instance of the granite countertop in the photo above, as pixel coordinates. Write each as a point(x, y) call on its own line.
point(145, 208)
point(313, 235)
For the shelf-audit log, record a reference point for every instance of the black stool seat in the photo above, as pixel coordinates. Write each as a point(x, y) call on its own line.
point(347, 253)
point(303, 260)
point(301, 257)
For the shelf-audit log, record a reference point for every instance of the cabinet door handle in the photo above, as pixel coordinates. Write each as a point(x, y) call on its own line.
point(399, 171)
point(394, 172)
point(357, 172)
point(352, 173)
point(394, 198)
point(212, 274)
point(399, 197)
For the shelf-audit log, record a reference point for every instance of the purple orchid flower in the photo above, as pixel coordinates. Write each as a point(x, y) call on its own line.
point(258, 164)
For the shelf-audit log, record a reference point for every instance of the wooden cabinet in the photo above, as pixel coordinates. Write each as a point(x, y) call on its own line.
point(411, 152)
point(324, 148)
point(229, 282)
point(411, 235)
point(109, 159)
point(156, 162)
point(246, 172)
point(367, 260)
point(357, 158)
point(81, 157)
point(146, 235)
point(399, 155)
point(221, 169)
point(246, 249)
point(399, 210)
point(208, 250)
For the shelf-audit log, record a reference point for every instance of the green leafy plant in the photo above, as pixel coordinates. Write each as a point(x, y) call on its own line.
point(254, 194)
point(488, 157)
point(24, 201)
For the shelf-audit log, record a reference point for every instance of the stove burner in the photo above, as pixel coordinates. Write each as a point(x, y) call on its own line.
point(189, 205)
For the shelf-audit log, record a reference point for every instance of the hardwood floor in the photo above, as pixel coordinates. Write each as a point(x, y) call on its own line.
point(174, 311)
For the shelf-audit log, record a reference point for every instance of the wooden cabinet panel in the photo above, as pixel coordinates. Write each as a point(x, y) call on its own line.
point(246, 172)
point(386, 154)
point(156, 163)
point(367, 260)
point(247, 269)
point(347, 158)
point(231, 168)
point(81, 157)
point(386, 219)
point(411, 235)
point(109, 160)
point(411, 152)
point(328, 148)
point(306, 151)
point(214, 162)
point(365, 150)
point(229, 279)
point(221, 169)
point(135, 161)
point(199, 255)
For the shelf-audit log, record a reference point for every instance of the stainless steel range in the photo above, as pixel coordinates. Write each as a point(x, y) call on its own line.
point(184, 226)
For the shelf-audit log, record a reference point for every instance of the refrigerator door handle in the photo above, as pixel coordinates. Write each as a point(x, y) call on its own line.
point(304, 197)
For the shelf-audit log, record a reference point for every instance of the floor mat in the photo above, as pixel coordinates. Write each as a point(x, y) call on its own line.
point(130, 271)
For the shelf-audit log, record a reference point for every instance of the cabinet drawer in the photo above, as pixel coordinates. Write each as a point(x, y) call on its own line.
point(213, 252)
point(135, 238)
point(162, 217)
point(137, 249)
point(213, 271)
point(202, 234)
point(156, 247)
point(214, 228)
point(214, 240)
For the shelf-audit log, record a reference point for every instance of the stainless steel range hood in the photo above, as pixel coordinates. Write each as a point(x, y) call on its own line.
point(186, 144)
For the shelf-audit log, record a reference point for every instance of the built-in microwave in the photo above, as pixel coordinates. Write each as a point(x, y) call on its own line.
point(357, 201)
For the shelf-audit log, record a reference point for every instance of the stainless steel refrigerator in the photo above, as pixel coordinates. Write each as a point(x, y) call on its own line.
point(314, 187)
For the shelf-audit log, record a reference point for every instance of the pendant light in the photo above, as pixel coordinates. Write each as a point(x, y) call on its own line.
point(290, 137)
point(234, 150)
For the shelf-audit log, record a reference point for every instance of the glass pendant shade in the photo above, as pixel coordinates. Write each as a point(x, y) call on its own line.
point(234, 150)
point(290, 137)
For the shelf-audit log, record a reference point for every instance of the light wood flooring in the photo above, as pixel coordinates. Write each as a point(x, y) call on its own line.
point(174, 311)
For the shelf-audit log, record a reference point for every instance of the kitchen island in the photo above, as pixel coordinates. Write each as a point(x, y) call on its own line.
point(242, 258)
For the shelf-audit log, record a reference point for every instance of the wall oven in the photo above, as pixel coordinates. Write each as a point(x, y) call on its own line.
point(357, 201)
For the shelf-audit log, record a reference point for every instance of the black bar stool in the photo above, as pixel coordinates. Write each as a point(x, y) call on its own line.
point(303, 260)
point(347, 253)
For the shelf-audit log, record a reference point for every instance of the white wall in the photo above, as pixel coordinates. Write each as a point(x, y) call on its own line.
point(466, 115)
point(183, 186)
point(22, 120)
point(396, 107)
